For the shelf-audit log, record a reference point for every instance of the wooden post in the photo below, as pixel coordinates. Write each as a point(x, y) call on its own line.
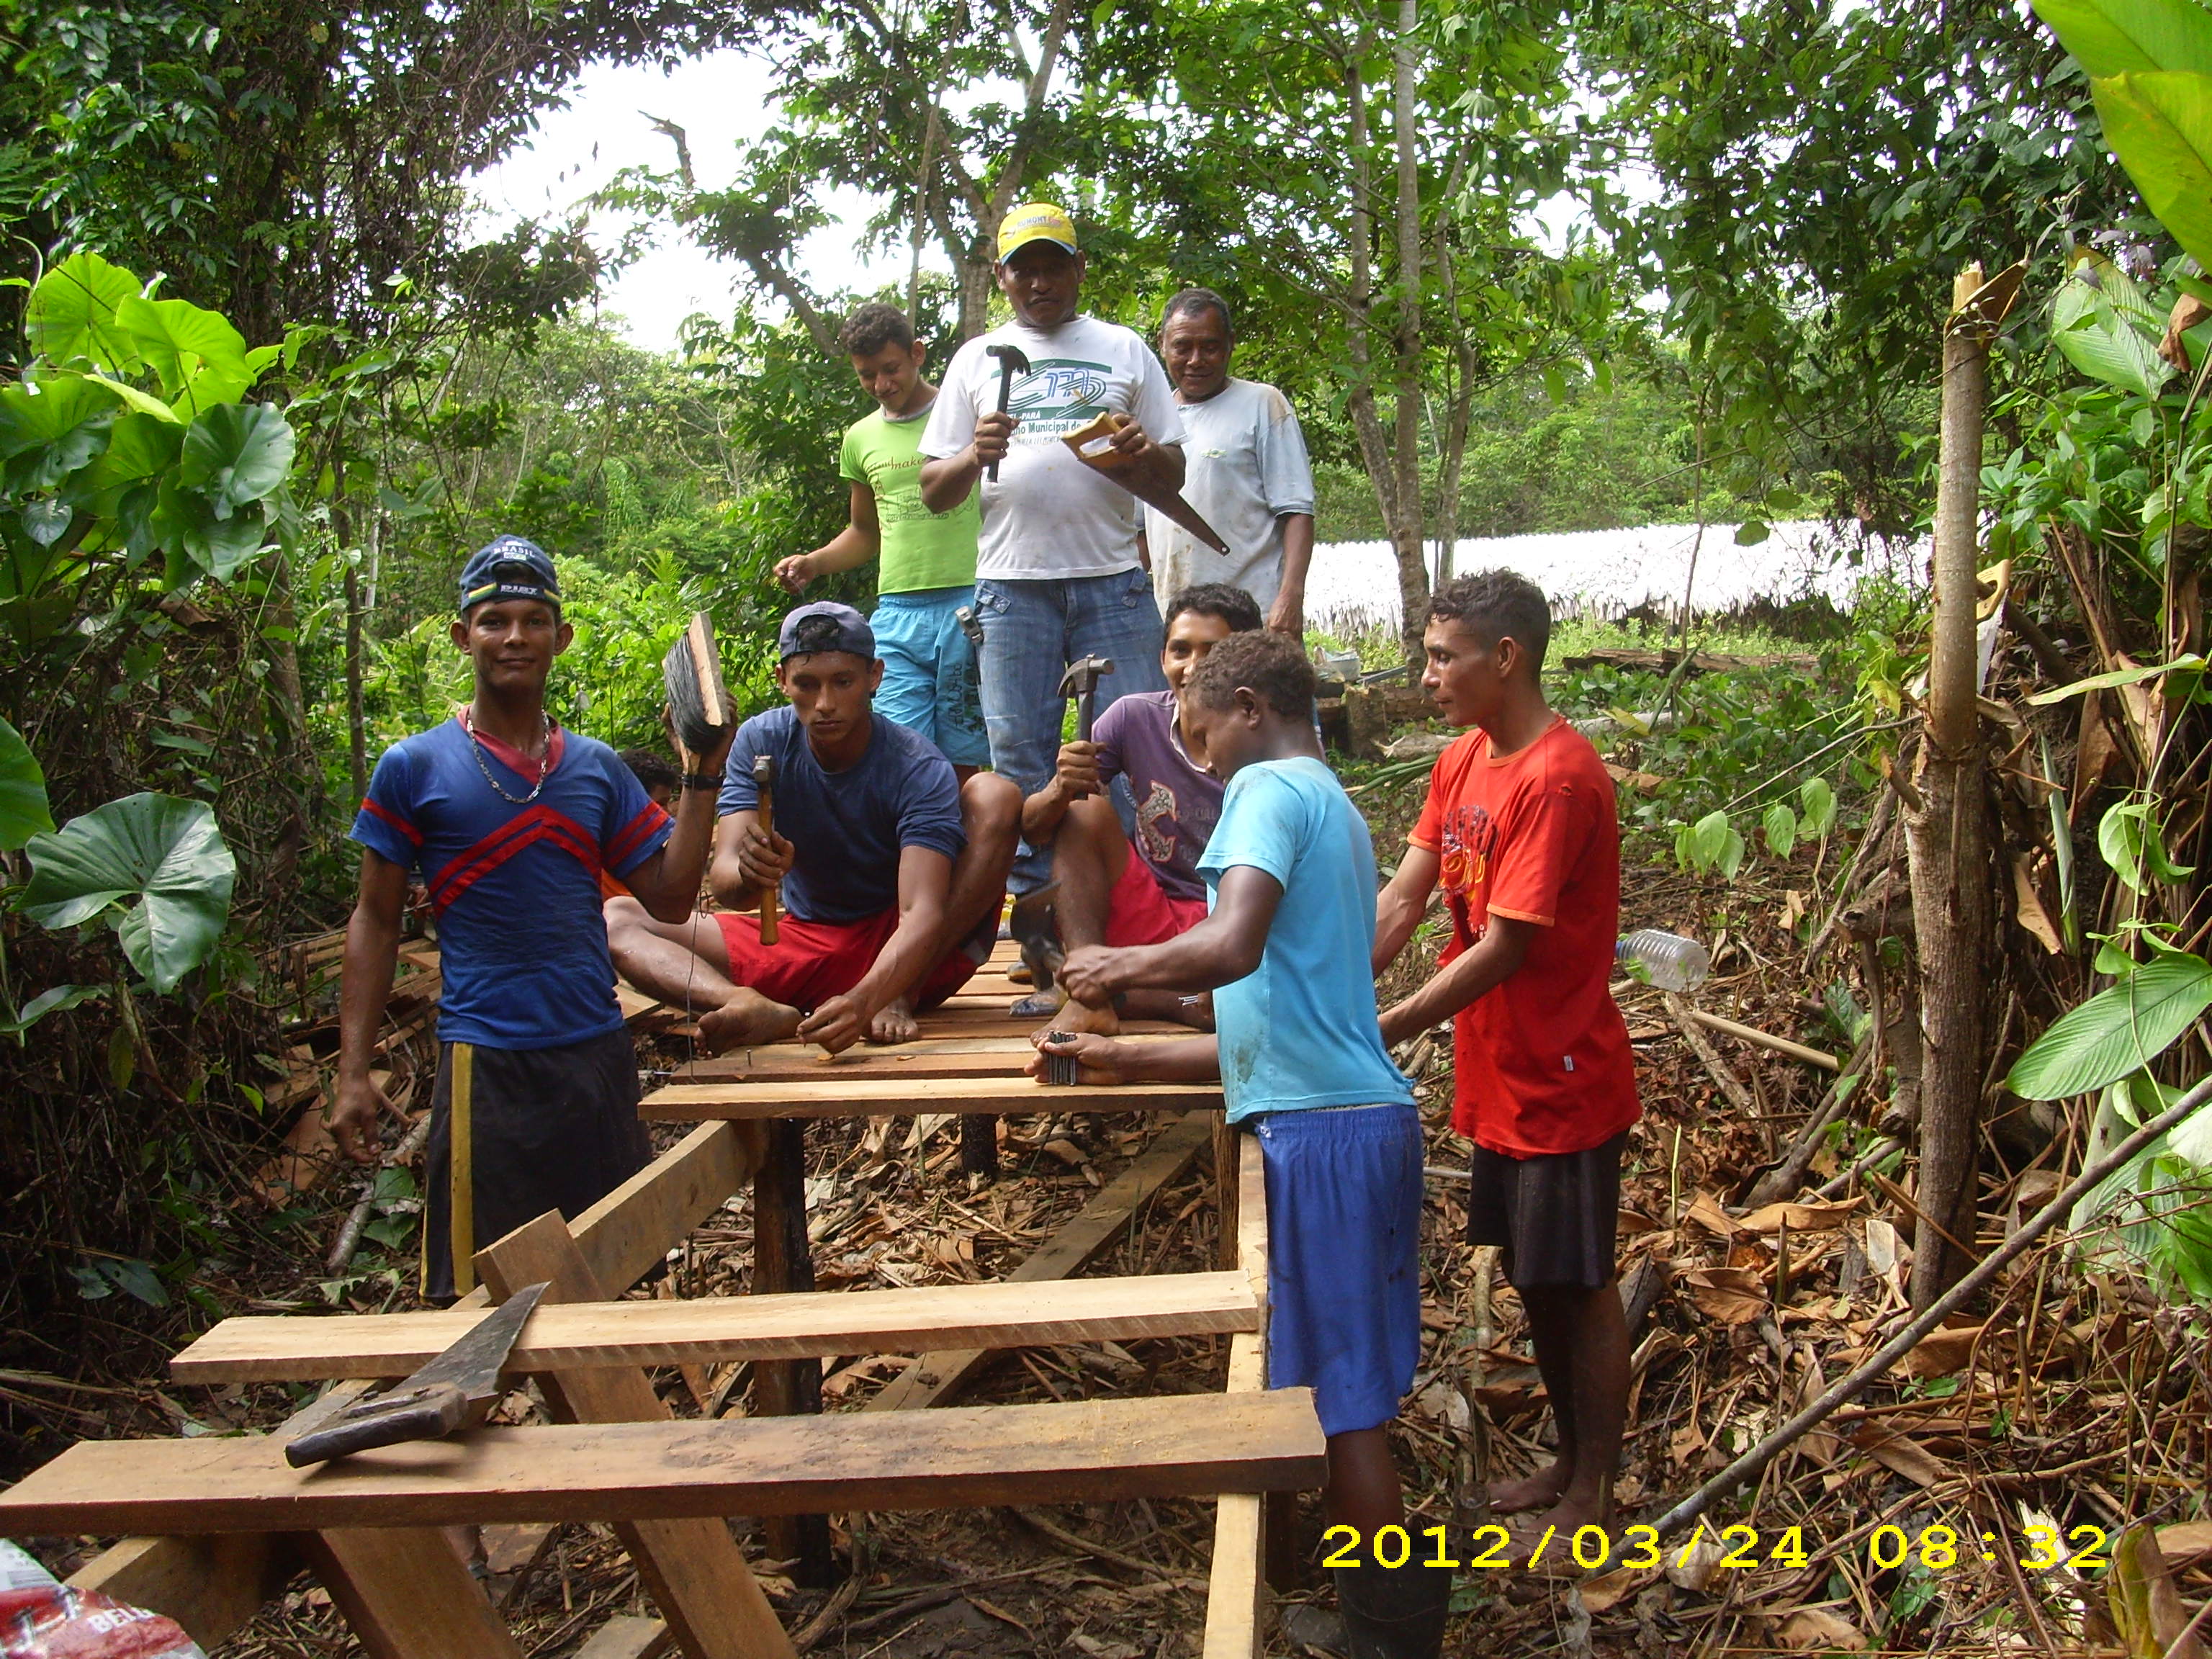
point(783, 1262)
point(978, 1146)
point(406, 1593)
point(713, 1605)
point(1946, 833)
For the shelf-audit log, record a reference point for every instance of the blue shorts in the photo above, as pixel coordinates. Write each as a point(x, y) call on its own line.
point(1344, 1271)
point(929, 671)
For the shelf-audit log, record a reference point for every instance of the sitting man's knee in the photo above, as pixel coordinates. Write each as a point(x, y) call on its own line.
point(990, 802)
point(624, 915)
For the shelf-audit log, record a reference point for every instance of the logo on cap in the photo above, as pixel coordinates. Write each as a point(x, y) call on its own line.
point(1035, 221)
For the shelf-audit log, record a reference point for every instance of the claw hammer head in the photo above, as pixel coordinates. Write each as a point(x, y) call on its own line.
point(1081, 683)
point(1012, 360)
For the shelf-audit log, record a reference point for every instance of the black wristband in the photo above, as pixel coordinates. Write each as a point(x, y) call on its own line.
point(701, 780)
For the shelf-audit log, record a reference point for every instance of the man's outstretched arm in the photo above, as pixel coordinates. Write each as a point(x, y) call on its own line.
point(1493, 959)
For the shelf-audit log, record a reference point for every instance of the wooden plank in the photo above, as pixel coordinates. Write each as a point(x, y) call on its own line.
point(1083, 1451)
point(404, 1590)
point(635, 1226)
point(783, 1262)
point(869, 1097)
point(1004, 1313)
point(713, 1606)
point(212, 1593)
point(626, 1637)
point(947, 1057)
point(935, 1377)
point(1236, 1586)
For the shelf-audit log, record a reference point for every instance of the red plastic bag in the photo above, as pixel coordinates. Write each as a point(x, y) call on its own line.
point(40, 1618)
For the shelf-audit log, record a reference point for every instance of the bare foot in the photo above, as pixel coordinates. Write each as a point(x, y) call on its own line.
point(746, 1019)
point(1038, 1005)
point(894, 1023)
point(1075, 1015)
point(1553, 1531)
point(1539, 1491)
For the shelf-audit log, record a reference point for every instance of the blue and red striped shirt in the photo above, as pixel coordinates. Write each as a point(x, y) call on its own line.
point(515, 887)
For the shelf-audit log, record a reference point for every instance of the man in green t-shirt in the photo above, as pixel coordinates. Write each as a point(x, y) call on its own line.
point(929, 571)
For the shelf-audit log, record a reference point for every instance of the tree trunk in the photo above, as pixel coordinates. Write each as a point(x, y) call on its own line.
point(1946, 835)
point(1407, 534)
point(356, 719)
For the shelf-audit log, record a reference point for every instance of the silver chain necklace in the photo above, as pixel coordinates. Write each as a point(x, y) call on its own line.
point(544, 766)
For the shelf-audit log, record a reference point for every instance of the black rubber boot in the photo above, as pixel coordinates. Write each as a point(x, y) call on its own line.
point(1394, 1613)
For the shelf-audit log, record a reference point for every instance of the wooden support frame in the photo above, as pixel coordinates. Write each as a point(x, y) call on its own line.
point(877, 1097)
point(213, 1586)
point(942, 1057)
point(708, 1596)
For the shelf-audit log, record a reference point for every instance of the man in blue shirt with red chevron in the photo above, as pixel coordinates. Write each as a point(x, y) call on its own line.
point(510, 820)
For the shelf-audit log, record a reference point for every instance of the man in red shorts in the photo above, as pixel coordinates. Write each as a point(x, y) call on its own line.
point(1111, 889)
point(891, 871)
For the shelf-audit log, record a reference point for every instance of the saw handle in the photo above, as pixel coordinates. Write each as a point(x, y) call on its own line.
point(426, 1413)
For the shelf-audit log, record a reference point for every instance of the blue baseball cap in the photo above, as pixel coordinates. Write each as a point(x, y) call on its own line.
point(847, 630)
point(509, 567)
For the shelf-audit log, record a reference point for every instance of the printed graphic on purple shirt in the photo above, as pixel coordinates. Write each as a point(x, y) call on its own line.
point(1177, 804)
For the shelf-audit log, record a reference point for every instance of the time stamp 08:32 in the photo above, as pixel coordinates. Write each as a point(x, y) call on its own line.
point(1492, 1548)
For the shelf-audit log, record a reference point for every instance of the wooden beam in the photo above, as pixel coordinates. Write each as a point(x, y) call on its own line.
point(1083, 1451)
point(783, 1262)
point(935, 1377)
point(1237, 1588)
point(286, 1348)
point(946, 1057)
point(713, 1606)
point(870, 1096)
point(212, 1589)
point(404, 1590)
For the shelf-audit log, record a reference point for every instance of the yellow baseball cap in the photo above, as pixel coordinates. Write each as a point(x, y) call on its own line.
point(1034, 221)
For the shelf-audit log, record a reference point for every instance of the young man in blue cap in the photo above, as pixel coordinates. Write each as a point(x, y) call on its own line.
point(1058, 575)
point(891, 871)
point(510, 821)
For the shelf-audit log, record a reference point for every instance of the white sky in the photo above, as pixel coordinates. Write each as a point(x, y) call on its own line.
point(720, 99)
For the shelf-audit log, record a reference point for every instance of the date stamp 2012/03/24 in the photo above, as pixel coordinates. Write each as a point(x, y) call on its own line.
point(1492, 1548)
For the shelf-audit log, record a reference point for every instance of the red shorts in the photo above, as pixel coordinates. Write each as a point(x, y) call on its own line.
point(1140, 911)
point(811, 962)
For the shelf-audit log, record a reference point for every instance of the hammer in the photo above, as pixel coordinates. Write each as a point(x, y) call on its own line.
point(1012, 360)
point(764, 787)
point(1081, 683)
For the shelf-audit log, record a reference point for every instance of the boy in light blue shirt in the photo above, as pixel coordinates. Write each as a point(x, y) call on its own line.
point(1289, 874)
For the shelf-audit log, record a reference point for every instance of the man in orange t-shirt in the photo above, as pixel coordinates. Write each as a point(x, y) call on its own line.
point(1520, 831)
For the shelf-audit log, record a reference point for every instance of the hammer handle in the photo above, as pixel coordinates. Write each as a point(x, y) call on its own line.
point(770, 928)
point(1006, 392)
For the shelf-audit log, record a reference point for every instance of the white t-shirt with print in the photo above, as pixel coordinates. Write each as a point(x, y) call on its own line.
point(1049, 515)
point(1245, 467)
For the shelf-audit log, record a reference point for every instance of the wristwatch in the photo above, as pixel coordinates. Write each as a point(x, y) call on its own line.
point(701, 780)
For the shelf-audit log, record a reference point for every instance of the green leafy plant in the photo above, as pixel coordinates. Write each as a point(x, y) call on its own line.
point(2119, 1030)
point(1780, 827)
point(154, 868)
point(1710, 844)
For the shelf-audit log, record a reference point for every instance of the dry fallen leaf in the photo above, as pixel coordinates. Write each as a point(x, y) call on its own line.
point(1732, 1296)
point(1693, 1568)
point(1817, 1627)
point(1704, 1210)
point(1900, 1455)
point(1602, 1594)
point(1941, 1352)
point(2184, 1543)
point(1798, 1218)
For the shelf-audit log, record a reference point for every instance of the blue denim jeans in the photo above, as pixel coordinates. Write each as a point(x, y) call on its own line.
point(1031, 631)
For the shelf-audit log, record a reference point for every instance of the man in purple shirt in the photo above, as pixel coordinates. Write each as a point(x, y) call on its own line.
point(1114, 889)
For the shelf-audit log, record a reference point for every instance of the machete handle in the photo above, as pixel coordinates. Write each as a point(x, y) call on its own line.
point(428, 1413)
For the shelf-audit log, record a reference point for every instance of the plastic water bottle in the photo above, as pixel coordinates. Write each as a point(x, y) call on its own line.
point(1668, 960)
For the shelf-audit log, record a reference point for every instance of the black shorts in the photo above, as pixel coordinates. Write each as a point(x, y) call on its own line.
point(548, 1129)
point(1555, 1214)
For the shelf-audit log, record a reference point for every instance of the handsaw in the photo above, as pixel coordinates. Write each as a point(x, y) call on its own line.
point(1093, 447)
point(436, 1400)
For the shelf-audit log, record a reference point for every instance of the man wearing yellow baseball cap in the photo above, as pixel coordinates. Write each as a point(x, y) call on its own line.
point(1058, 576)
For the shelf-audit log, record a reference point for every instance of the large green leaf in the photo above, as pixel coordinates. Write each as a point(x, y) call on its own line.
point(2158, 123)
point(236, 454)
point(139, 447)
point(24, 811)
point(165, 854)
point(2117, 1030)
point(180, 338)
point(72, 313)
point(2114, 37)
point(2096, 323)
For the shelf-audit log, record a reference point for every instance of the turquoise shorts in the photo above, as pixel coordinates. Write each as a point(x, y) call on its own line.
point(929, 671)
